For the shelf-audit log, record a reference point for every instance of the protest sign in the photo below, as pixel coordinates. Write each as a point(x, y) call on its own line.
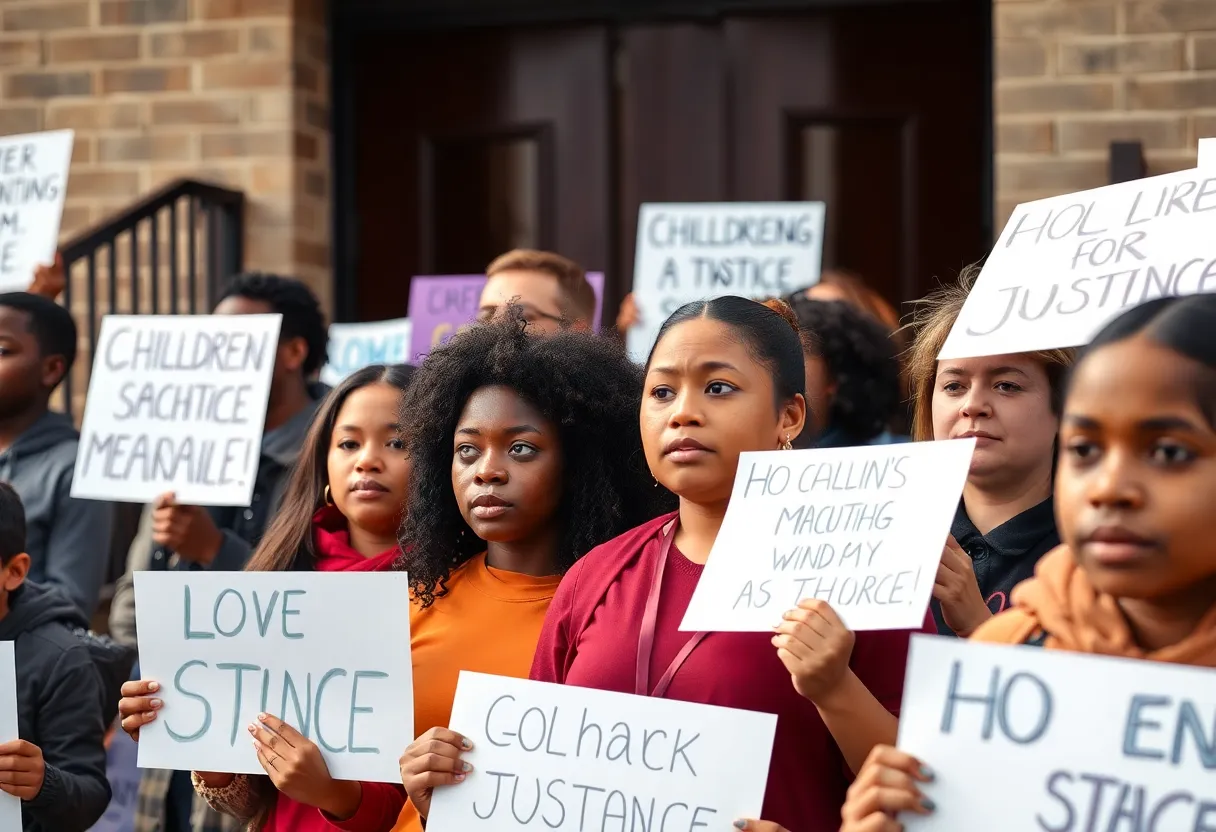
point(442, 305)
point(33, 186)
point(697, 251)
point(327, 652)
point(1065, 266)
point(355, 346)
point(861, 528)
point(176, 403)
point(577, 759)
point(10, 806)
point(1024, 738)
point(1207, 153)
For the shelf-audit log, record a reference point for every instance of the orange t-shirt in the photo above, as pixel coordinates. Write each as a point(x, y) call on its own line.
point(488, 622)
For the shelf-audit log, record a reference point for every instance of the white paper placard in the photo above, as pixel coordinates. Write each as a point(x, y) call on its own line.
point(176, 403)
point(697, 251)
point(1063, 267)
point(575, 759)
point(1025, 738)
point(33, 186)
point(861, 528)
point(327, 652)
point(1207, 153)
point(355, 346)
point(10, 805)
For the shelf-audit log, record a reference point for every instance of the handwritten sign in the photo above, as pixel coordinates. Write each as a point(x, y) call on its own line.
point(1024, 738)
point(176, 403)
point(861, 528)
point(577, 759)
point(327, 652)
point(10, 806)
point(441, 306)
point(1207, 153)
point(1065, 266)
point(355, 346)
point(33, 187)
point(697, 251)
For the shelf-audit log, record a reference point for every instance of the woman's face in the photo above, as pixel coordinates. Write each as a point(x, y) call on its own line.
point(1137, 473)
point(1004, 401)
point(706, 400)
point(369, 471)
point(506, 467)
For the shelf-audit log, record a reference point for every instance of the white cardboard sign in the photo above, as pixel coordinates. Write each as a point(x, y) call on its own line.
point(861, 528)
point(571, 759)
point(355, 346)
point(1207, 153)
point(327, 652)
point(176, 403)
point(697, 251)
point(1063, 267)
point(33, 187)
point(1025, 738)
point(10, 805)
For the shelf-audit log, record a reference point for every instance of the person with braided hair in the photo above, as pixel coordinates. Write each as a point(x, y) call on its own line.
point(724, 377)
point(526, 455)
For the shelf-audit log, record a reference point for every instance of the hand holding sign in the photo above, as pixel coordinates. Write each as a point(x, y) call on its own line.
point(433, 760)
point(297, 769)
point(138, 705)
point(187, 530)
point(957, 589)
point(815, 646)
point(22, 769)
point(885, 786)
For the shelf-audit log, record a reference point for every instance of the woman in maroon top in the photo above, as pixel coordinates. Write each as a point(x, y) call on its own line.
point(725, 376)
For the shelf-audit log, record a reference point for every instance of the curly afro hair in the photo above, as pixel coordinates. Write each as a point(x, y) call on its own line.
point(584, 384)
point(862, 360)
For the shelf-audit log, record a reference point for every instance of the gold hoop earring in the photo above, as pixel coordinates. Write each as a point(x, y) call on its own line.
point(329, 500)
point(787, 445)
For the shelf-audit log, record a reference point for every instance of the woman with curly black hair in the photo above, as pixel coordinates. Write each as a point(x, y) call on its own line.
point(527, 454)
point(852, 376)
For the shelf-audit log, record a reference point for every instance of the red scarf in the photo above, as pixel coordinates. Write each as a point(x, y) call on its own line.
point(331, 535)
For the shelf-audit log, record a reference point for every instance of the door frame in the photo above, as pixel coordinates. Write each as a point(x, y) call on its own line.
point(350, 18)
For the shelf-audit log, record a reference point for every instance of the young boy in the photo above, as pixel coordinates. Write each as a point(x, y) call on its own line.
point(67, 538)
point(58, 767)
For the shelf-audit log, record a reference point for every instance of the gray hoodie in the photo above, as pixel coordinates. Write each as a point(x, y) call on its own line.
point(68, 540)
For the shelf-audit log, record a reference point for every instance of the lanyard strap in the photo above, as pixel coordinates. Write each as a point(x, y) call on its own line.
point(650, 620)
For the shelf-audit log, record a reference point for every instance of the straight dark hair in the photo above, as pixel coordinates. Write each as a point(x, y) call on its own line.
point(288, 543)
point(770, 331)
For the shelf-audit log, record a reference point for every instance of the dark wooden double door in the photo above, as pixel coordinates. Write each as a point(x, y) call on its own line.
point(468, 142)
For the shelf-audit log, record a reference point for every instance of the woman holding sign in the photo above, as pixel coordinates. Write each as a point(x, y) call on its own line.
point(526, 454)
point(1011, 405)
point(340, 513)
point(724, 377)
point(1136, 576)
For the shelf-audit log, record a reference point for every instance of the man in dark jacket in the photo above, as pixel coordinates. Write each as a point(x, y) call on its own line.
point(66, 537)
point(58, 766)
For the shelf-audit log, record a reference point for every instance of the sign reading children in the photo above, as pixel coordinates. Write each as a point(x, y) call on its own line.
point(33, 187)
point(1021, 738)
point(1065, 266)
point(573, 759)
point(176, 403)
point(328, 653)
point(696, 251)
point(860, 528)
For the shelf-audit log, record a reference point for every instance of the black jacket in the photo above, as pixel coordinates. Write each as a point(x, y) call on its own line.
point(59, 709)
point(1004, 557)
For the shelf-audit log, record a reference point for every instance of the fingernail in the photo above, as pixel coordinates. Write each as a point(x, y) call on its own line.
point(253, 728)
point(156, 703)
point(459, 778)
point(928, 804)
point(153, 686)
point(926, 772)
point(262, 717)
point(466, 766)
point(740, 824)
point(465, 743)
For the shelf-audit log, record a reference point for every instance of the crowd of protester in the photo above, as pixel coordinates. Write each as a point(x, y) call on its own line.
point(523, 474)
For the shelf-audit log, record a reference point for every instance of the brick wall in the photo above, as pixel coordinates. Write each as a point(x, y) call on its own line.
point(1074, 75)
point(231, 91)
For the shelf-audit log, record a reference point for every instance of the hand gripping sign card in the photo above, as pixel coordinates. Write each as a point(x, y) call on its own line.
point(861, 528)
point(326, 652)
point(176, 403)
point(573, 759)
point(1063, 267)
point(1021, 738)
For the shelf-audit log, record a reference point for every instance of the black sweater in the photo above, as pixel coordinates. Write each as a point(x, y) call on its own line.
point(1004, 557)
point(59, 709)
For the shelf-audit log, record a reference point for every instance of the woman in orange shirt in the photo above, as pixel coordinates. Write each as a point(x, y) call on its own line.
point(1136, 574)
point(527, 454)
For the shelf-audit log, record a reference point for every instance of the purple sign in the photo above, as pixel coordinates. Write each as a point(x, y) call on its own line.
point(441, 305)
